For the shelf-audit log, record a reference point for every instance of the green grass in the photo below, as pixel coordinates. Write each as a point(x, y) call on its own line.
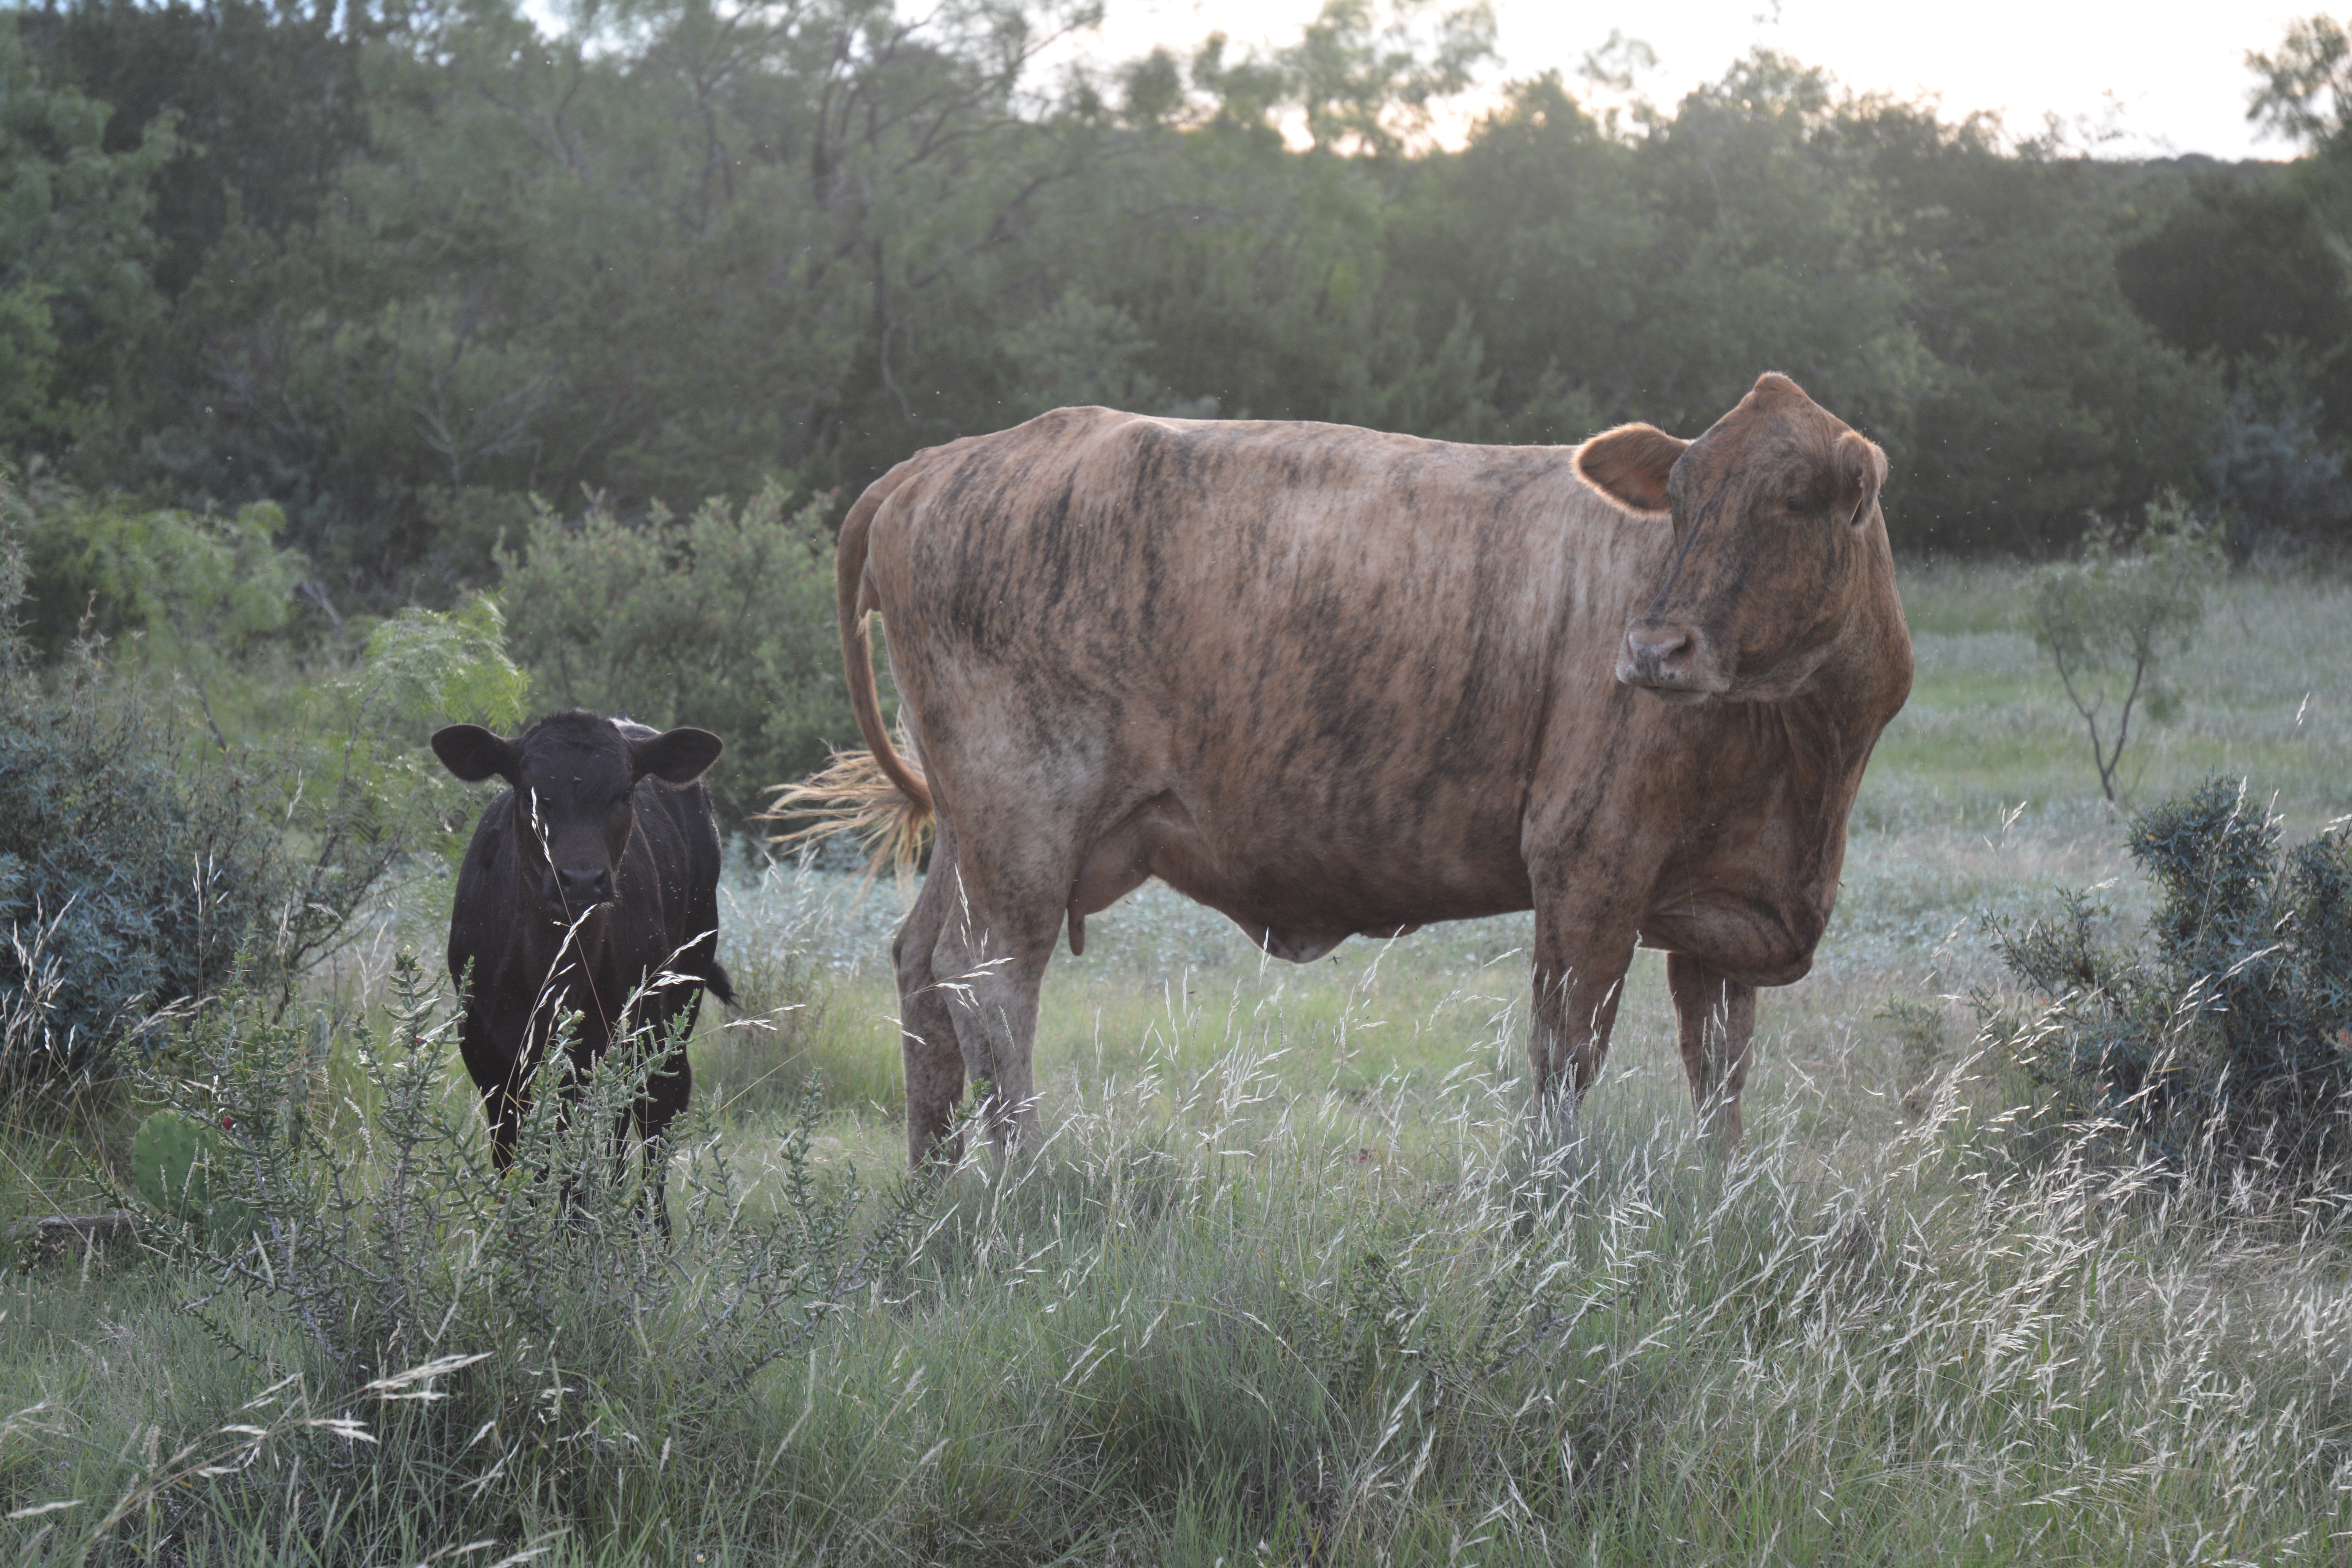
point(1291, 1283)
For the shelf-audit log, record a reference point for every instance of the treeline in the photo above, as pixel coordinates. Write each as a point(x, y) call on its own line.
point(397, 268)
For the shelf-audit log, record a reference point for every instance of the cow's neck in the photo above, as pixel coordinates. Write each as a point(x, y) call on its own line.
point(1752, 876)
point(1820, 740)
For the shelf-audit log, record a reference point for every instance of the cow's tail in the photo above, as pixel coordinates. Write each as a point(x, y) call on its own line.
point(877, 795)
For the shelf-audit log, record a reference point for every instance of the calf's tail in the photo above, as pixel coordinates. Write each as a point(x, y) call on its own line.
point(877, 795)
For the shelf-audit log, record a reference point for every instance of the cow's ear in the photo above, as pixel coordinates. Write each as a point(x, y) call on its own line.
point(1630, 465)
point(676, 757)
point(474, 753)
point(1861, 470)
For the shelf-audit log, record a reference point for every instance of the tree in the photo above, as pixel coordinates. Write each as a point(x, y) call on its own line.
point(74, 251)
point(263, 99)
point(1366, 88)
point(2111, 620)
point(2306, 90)
point(671, 252)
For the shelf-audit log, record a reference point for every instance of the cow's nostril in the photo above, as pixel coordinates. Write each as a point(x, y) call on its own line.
point(1660, 647)
point(584, 885)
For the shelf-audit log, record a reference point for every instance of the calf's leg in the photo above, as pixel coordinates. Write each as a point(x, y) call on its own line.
point(1718, 1034)
point(500, 1082)
point(502, 1108)
point(667, 1090)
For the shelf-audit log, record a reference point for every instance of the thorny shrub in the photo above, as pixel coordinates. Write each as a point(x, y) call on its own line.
point(2224, 1043)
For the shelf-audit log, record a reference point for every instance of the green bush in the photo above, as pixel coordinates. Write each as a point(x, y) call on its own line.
point(2224, 1044)
point(723, 620)
point(127, 879)
point(144, 865)
point(199, 587)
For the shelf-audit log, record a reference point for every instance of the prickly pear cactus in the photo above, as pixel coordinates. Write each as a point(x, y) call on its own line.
point(171, 1159)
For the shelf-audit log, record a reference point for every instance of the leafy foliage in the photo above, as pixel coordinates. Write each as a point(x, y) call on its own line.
point(1368, 87)
point(359, 791)
point(199, 588)
point(2111, 619)
point(74, 244)
point(450, 258)
point(723, 619)
point(2226, 1045)
point(2306, 91)
point(128, 882)
point(2271, 464)
point(264, 98)
point(140, 869)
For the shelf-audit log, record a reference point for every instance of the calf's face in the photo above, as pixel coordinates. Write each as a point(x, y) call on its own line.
point(1771, 511)
point(575, 778)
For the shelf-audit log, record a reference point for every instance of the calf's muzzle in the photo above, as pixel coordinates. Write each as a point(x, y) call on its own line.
point(581, 888)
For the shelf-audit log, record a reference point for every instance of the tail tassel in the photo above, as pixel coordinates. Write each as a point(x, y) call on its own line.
point(851, 794)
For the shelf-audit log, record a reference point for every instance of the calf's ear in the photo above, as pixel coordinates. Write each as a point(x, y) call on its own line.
point(1861, 470)
point(676, 757)
point(1630, 464)
point(474, 753)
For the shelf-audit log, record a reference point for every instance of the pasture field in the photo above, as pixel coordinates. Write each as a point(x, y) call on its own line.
point(1291, 1282)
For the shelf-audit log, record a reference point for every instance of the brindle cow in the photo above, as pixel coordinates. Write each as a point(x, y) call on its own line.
point(1333, 682)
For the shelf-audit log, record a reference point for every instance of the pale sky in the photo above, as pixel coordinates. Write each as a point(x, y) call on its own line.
point(2170, 75)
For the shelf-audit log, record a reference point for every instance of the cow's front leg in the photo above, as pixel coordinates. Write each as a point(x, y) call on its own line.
point(669, 1084)
point(1718, 1029)
point(1580, 973)
point(502, 1108)
point(503, 1080)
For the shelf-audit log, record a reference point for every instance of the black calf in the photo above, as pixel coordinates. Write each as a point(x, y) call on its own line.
point(594, 872)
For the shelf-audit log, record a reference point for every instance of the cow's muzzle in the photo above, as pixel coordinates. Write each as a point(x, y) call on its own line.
point(1672, 660)
point(583, 888)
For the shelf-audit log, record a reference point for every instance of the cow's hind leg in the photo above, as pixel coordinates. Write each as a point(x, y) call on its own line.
point(1718, 1034)
point(1002, 914)
point(927, 1035)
